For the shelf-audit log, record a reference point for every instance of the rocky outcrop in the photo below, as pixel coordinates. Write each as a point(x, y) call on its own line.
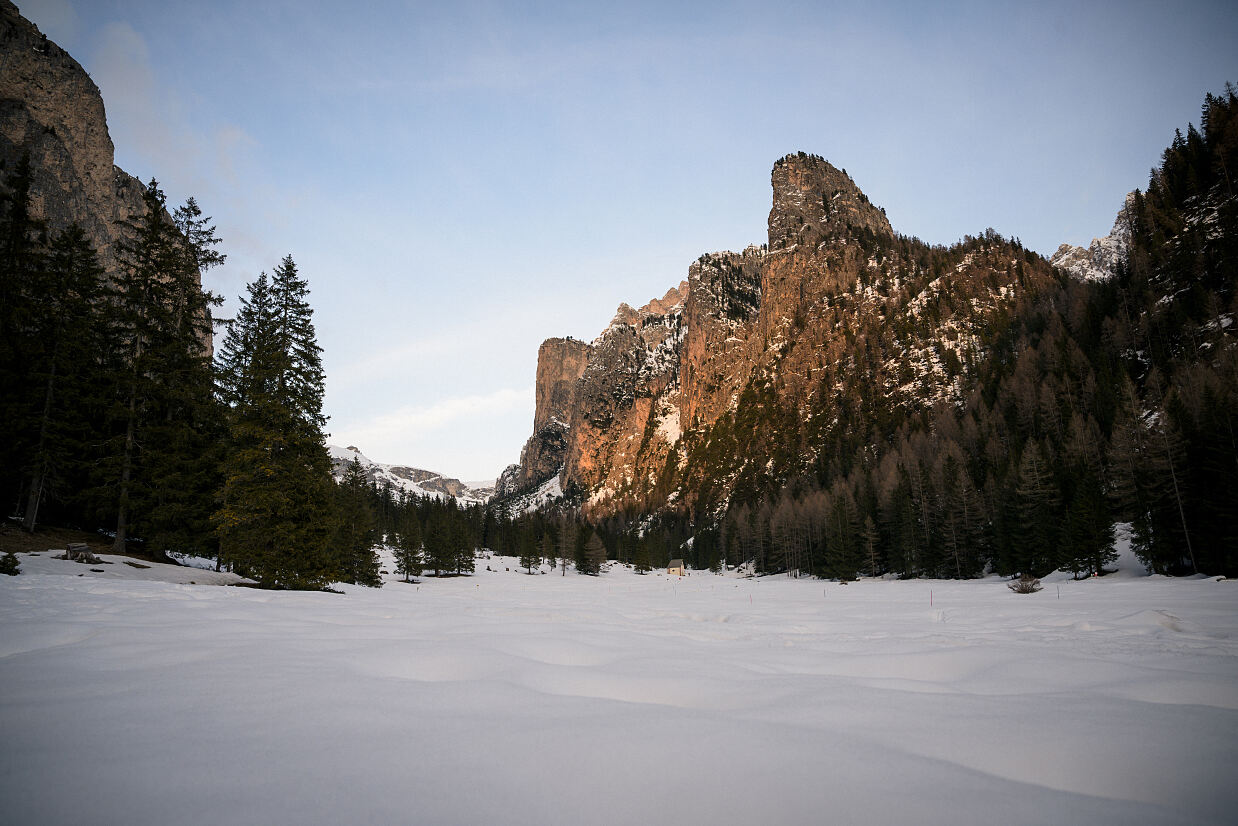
point(51, 110)
point(813, 201)
point(1102, 257)
point(724, 302)
point(560, 364)
point(630, 384)
point(772, 324)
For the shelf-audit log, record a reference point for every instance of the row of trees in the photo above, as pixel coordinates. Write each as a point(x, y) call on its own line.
point(108, 412)
point(114, 414)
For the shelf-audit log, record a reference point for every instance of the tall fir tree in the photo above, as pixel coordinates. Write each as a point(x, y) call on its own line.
point(159, 462)
point(408, 559)
point(70, 328)
point(353, 542)
point(274, 523)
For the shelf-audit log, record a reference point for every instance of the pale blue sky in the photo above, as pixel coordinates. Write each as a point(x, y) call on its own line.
point(459, 181)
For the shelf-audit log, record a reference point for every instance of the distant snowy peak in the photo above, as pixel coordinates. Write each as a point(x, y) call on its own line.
point(414, 480)
point(1102, 256)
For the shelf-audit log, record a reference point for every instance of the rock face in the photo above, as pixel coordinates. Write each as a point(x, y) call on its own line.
point(625, 412)
point(750, 340)
point(560, 363)
point(813, 200)
point(1103, 255)
point(51, 109)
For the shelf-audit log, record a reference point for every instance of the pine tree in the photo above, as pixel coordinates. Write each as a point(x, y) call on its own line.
point(408, 543)
point(593, 554)
point(22, 254)
point(353, 543)
point(528, 549)
point(70, 328)
point(640, 559)
point(159, 462)
point(1039, 511)
point(548, 547)
point(274, 523)
point(438, 551)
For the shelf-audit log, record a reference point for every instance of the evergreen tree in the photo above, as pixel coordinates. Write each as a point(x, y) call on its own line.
point(274, 523)
point(593, 554)
point(528, 549)
point(408, 542)
point(640, 559)
point(22, 253)
point(439, 553)
point(69, 327)
point(353, 543)
point(1039, 511)
point(462, 548)
point(548, 547)
point(159, 461)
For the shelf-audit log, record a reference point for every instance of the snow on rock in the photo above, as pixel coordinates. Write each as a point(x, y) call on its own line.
point(696, 700)
point(668, 424)
point(402, 477)
point(1102, 256)
point(539, 497)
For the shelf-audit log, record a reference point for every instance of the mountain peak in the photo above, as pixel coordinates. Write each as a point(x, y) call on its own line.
point(813, 200)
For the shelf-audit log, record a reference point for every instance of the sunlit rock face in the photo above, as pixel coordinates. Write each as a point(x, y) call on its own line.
point(778, 322)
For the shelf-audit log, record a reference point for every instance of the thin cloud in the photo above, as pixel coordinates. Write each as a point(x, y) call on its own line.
point(395, 425)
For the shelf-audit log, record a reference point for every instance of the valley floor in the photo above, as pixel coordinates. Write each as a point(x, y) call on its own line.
point(515, 699)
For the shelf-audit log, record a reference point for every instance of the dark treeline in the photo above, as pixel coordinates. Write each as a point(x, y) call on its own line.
point(1083, 405)
point(114, 416)
point(108, 418)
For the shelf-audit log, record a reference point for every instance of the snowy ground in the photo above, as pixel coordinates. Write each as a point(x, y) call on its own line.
point(505, 698)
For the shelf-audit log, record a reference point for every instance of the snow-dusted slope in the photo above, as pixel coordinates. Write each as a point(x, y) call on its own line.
point(411, 479)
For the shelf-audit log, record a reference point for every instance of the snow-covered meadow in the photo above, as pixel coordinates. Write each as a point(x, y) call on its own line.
point(514, 699)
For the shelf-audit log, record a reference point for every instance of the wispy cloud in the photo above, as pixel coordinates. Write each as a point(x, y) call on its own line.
point(147, 118)
point(397, 425)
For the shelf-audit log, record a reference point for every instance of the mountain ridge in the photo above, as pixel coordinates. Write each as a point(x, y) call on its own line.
point(408, 479)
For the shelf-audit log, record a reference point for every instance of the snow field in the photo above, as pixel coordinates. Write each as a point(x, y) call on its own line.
point(508, 698)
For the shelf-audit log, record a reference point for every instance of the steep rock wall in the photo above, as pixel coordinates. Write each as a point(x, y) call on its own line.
point(52, 110)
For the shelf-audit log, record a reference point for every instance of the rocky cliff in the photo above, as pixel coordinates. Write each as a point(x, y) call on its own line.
point(52, 110)
point(759, 341)
point(1098, 261)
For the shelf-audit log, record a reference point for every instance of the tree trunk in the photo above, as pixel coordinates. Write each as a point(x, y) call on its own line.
point(126, 475)
point(40, 472)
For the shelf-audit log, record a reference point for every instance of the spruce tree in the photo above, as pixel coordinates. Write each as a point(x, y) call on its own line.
point(463, 548)
point(159, 462)
point(548, 547)
point(1039, 512)
point(23, 250)
point(353, 543)
point(274, 523)
point(408, 542)
point(69, 328)
point(592, 555)
point(640, 558)
point(529, 553)
point(438, 551)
